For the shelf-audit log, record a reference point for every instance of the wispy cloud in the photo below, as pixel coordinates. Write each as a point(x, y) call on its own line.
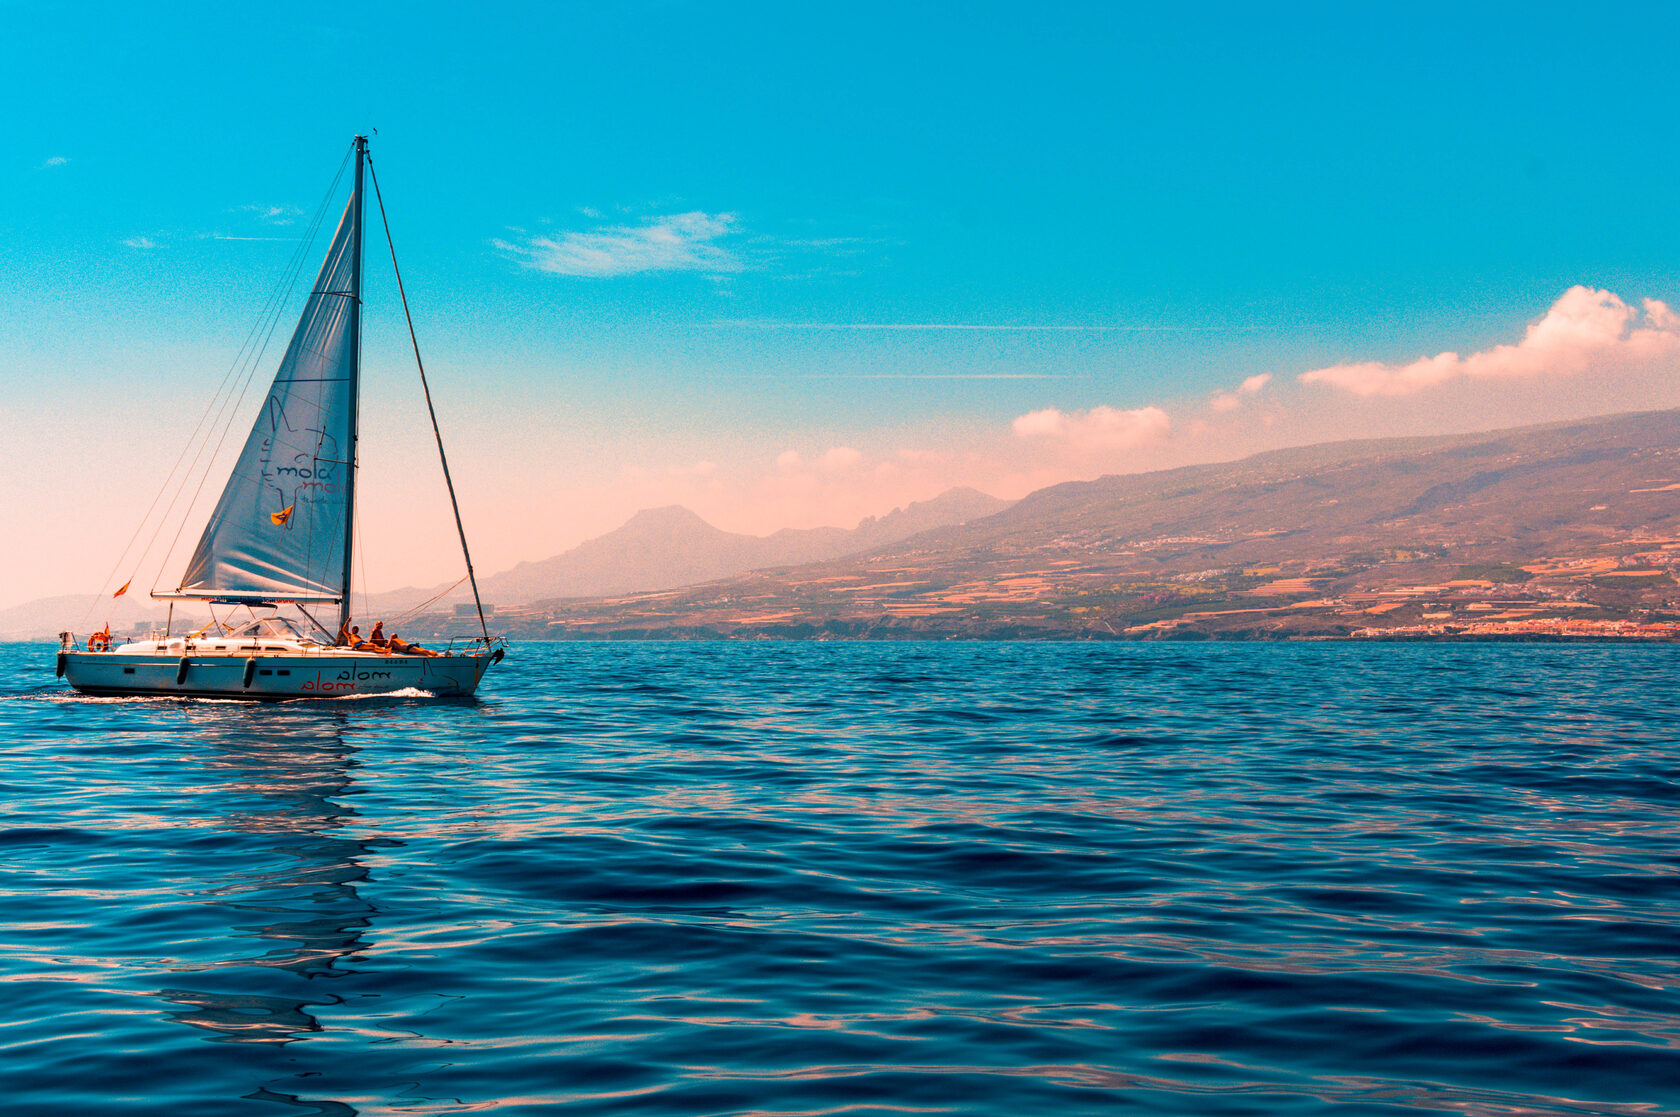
point(947, 376)
point(675, 242)
point(270, 214)
point(54, 161)
point(1584, 330)
point(839, 245)
point(753, 324)
point(836, 459)
point(140, 242)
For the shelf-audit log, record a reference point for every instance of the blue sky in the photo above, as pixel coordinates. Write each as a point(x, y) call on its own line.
point(640, 238)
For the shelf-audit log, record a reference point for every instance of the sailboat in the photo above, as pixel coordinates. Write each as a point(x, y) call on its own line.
point(282, 534)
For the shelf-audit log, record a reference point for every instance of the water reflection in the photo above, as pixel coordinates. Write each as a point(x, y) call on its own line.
point(276, 792)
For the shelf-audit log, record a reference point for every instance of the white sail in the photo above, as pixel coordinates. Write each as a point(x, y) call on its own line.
point(280, 530)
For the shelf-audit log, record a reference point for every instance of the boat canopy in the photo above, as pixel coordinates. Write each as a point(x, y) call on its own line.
point(274, 627)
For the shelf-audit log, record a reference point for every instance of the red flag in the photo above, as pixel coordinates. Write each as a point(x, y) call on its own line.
point(124, 589)
point(282, 516)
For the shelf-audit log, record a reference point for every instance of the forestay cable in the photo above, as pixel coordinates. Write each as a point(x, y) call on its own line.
point(424, 387)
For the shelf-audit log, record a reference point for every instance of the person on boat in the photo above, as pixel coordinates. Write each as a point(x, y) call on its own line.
point(377, 638)
point(399, 646)
point(349, 635)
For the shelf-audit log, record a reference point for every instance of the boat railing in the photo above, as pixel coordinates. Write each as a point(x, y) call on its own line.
point(162, 645)
point(475, 645)
point(94, 642)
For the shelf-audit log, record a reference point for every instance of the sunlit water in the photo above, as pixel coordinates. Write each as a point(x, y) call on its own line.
point(766, 878)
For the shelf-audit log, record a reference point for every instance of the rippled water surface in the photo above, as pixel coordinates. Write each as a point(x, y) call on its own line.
point(766, 878)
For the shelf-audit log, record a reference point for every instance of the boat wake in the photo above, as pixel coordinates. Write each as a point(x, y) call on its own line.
point(73, 696)
point(405, 692)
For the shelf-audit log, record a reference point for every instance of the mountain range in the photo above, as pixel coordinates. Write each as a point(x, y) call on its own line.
point(1579, 519)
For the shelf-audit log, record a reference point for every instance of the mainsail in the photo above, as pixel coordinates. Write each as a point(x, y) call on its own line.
point(281, 528)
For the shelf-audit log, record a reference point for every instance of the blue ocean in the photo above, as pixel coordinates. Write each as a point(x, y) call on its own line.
point(857, 878)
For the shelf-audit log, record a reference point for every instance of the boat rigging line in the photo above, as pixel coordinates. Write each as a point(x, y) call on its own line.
point(426, 604)
point(431, 411)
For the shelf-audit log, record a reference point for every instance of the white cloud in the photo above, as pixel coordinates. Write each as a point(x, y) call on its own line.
point(54, 161)
point(840, 458)
point(140, 242)
point(1584, 330)
point(787, 461)
point(1048, 422)
point(1230, 401)
point(1101, 428)
point(677, 242)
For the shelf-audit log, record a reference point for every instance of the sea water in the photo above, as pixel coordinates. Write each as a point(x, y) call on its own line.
point(802, 878)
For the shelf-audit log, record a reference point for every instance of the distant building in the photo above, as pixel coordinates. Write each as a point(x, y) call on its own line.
point(469, 610)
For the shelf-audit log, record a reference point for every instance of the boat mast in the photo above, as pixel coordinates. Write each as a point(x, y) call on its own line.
point(355, 381)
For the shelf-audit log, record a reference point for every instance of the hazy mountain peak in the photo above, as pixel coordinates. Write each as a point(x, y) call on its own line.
point(953, 506)
point(669, 519)
point(659, 548)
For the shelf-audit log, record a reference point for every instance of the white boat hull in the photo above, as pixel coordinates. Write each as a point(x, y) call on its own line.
point(325, 675)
